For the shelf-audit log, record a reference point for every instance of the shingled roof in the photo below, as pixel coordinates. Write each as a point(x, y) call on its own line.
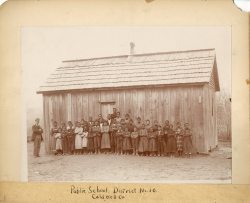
point(164, 68)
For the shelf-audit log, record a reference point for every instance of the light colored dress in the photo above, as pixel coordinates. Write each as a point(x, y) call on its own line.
point(58, 138)
point(78, 137)
point(105, 142)
point(84, 139)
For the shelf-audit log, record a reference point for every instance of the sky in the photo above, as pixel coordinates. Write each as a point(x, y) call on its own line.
point(43, 48)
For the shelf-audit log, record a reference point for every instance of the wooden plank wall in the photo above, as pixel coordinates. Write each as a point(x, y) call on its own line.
point(210, 118)
point(165, 103)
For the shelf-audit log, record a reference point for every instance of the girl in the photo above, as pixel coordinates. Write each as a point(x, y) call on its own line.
point(127, 119)
point(84, 140)
point(126, 146)
point(58, 137)
point(135, 139)
point(78, 138)
point(147, 126)
point(90, 142)
point(64, 139)
point(171, 145)
point(161, 144)
point(105, 142)
point(119, 139)
point(152, 142)
point(143, 142)
point(138, 123)
point(96, 132)
point(179, 138)
point(187, 140)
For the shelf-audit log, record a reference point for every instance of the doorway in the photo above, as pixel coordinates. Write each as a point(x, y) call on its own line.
point(107, 108)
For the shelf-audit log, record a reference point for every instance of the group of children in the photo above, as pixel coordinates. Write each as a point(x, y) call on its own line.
point(122, 136)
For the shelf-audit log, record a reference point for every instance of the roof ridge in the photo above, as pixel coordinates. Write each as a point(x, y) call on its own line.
point(142, 54)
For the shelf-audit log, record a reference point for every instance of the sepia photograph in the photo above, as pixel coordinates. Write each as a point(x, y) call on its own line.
point(127, 104)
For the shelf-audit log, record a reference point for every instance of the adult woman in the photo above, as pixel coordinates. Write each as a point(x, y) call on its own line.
point(78, 138)
point(53, 132)
point(105, 142)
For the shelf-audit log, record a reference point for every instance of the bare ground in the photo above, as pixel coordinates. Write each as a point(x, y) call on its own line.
point(212, 168)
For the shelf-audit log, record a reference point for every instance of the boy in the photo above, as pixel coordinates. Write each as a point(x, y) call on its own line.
point(135, 139)
point(152, 142)
point(96, 133)
point(119, 139)
point(161, 144)
point(113, 130)
point(171, 144)
point(126, 145)
point(155, 126)
point(179, 138)
point(143, 142)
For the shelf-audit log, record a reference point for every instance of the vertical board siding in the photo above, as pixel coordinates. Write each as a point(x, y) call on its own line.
point(177, 103)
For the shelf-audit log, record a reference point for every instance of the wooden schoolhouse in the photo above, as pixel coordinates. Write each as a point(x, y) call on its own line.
point(175, 86)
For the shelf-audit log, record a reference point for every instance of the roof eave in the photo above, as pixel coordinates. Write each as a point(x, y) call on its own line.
point(121, 87)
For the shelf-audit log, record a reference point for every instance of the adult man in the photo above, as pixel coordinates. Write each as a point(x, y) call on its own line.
point(113, 115)
point(37, 137)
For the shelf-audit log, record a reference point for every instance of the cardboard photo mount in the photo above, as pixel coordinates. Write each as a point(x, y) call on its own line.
point(17, 14)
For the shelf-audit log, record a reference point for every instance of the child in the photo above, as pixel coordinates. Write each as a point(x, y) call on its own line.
point(113, 130)
point(155, 126)
point(105, 142)
point(78, 138)
point(143, 142)
point(58, 137)
point(171, 144)
point(147, 126)
point(127, 119)
point(96, 132)
point(64, 139)
point(126, 145)
point(135, 139)
point(138, 123)
point(71, 137)
point(187, 140)
point(90, 142)
point(123, 124)
point(161, 144)
point(84, 140)
point(131, 125)
point(165, 130)
point(119, 139)
point(118, 118)
point(152, 142)
point(179, 138)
